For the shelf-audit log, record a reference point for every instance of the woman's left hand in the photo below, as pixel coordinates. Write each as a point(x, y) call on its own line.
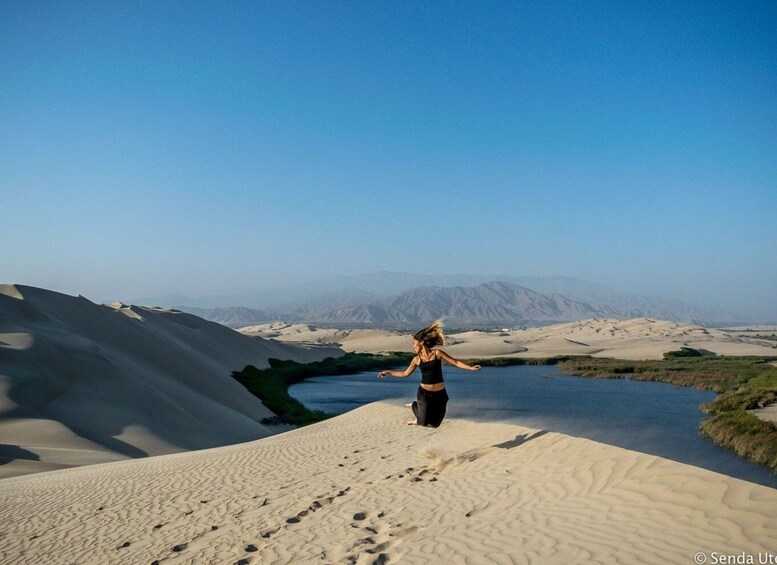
point(475, 367)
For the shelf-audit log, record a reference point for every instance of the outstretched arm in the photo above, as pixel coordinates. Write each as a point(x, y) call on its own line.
point(401, 374)
point(455, 362)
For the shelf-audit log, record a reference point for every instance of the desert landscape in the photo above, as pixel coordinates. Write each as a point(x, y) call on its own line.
point(84, 383)
point(223, 223)
point(364, 488)
point(639, 338)
point(357, 488)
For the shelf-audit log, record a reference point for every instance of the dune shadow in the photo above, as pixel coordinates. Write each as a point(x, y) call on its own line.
point(31, 405)
point(520, 439)
point(10, 453)
point(112, 443)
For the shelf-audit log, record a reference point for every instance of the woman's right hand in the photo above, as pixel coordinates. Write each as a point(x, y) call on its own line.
point(383, 374)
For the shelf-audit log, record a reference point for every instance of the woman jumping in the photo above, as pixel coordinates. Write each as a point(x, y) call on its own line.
point(431, 399)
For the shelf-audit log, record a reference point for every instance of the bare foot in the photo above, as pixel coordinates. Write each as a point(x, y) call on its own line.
point(412, 423)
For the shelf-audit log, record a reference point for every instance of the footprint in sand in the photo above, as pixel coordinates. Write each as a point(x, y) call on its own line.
point(414, 477)
point(320, 502)
point(378, 539)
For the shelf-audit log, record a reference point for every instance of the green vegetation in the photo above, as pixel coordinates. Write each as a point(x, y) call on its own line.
point(745, 434)
point(683, 352)
point(743, 383)
point(271, 385)
point(510, 361)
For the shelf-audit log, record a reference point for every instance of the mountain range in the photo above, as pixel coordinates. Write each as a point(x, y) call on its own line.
point(492, 303)
point(385, 300)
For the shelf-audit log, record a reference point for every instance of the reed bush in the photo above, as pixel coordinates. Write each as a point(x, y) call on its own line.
point(271, 385)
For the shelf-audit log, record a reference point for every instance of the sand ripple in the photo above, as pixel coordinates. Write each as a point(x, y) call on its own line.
point(365, 488)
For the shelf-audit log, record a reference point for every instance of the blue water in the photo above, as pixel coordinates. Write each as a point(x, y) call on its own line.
point(655, 418)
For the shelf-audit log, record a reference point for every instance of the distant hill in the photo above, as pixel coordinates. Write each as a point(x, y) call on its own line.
point(316, 301)
point(230, 316)
point(598, 298)
point(488, 304)
point(302, 310)
point(317, 305)
point(289, 297)
point(627, 305)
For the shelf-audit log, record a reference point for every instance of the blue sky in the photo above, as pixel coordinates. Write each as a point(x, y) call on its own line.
point(152, 147)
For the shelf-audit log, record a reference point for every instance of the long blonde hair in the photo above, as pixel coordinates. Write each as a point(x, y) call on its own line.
point(431, 335)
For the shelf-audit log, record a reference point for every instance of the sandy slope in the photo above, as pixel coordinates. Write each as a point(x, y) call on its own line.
point(639, 338)
point(365, 488)
point(86, 383)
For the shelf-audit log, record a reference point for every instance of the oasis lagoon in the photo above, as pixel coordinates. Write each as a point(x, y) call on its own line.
point(650, 417)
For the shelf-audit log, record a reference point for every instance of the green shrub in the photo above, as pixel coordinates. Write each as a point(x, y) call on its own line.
point(271, 385)
point(745, 434)
point(682, 352)
point(742, 383)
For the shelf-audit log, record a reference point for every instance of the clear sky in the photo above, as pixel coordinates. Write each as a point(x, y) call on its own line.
point(203, 147)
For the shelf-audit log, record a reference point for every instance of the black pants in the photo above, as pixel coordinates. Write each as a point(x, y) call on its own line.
point(429, 407)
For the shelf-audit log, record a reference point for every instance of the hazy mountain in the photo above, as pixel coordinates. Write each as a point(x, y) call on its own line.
point(492, 303)
point(163, 301)
point(317, 305)
point(301, 311)
point(386, 283)
point(291, 297)
point(628, 305)
point(232, 316)
point(599, 297)
point(310, 301)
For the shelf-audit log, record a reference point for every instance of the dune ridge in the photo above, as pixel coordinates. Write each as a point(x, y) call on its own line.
point(365, 488)
point(87, 383)
point(635, 339)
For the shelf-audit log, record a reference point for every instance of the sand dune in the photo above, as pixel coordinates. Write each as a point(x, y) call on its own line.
point(365, 488)
point(86, 383)
point(639, 338)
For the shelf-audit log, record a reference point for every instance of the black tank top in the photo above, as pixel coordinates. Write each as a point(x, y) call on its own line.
point(431, 372)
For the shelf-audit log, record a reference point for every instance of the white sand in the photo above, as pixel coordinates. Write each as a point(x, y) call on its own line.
point(636, 339)
point(84, 383)
point(365, 488)
point(639, 338)
point(768, 413)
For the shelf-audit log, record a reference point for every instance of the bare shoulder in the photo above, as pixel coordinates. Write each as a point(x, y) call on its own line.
point(440, 354)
